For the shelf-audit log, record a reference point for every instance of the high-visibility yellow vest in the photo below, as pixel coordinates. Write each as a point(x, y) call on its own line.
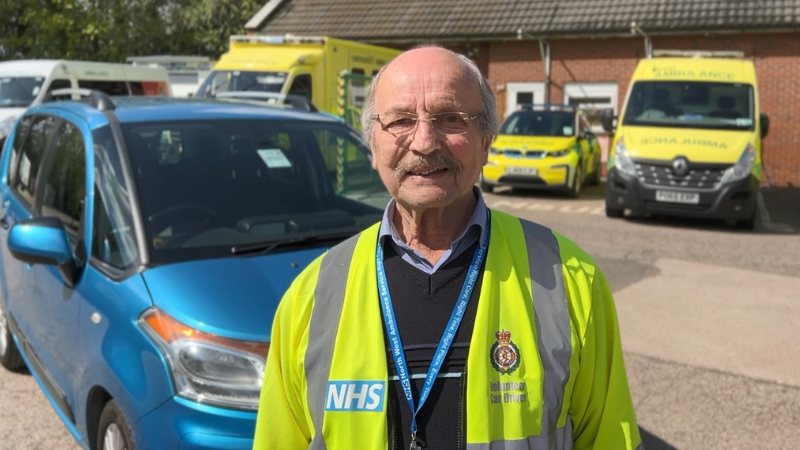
point(545, 367)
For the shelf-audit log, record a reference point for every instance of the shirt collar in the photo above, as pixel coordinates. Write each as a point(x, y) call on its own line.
point(479, 218)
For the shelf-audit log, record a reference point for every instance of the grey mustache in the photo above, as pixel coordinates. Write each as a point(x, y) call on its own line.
point(436, 159)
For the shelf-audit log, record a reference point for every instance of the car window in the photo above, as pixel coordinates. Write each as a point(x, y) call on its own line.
point(137, 87)
point(113, 232)
point(65, 187)
point(58, 84)
point(19, 140)
point(109, 87)
point(691, 104)
point(540, 123)
point(30, 157)
point(19, 91)
point(301, 86)
point(207, 186)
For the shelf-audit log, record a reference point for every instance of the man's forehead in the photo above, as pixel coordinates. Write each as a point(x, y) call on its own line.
point(439, 87)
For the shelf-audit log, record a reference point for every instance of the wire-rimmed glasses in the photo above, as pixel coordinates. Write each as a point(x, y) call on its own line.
point(405, 123)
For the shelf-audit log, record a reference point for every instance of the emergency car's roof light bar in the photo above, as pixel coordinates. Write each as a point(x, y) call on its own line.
point(545, 106)
point(699, 53)
point(274, 39)
point(97, 99)
point(294, 101)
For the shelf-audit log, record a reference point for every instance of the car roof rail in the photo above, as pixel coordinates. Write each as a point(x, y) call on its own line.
point(97, 99)
point(292, 100)
point(545, 106)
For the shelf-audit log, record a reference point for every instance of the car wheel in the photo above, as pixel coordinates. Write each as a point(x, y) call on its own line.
point(595, 179)
point(114, 431)
point(485, 187)
point(614, 213)
point(10, 357)
point(577, 181)
point(748, 224)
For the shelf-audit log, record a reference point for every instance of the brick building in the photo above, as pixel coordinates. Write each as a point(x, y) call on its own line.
point(592, 46)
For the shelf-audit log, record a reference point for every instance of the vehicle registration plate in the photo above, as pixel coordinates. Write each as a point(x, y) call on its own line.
point(521, 170)
point(691, 198)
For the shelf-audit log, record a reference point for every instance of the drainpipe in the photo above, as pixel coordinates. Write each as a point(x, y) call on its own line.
point(648, 42)
point(544, 49)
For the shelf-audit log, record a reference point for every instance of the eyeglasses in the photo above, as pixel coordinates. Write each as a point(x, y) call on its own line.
point(405, 123)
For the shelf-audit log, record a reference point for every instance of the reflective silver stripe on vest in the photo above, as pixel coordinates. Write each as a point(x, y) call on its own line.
point(561, 438)
point(328, 303)
point(553, 336)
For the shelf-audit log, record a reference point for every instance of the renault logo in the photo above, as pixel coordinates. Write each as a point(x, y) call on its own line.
point(680, 166)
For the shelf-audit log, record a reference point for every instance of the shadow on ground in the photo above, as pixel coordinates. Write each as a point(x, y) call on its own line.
point(653, 442)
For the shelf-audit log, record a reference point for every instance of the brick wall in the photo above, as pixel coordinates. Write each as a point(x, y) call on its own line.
point(776, 57)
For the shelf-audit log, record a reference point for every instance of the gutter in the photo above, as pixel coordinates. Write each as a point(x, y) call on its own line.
point(413, 40)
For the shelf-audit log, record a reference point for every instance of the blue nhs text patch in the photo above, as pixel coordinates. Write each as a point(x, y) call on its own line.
point(355, 395)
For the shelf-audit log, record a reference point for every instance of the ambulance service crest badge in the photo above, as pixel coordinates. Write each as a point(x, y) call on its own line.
point(505, 354)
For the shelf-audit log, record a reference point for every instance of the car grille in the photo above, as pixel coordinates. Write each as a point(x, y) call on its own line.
point(698, 176)
point(528, 154)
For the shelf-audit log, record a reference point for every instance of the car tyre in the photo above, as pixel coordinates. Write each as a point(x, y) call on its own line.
point(595, 178)
point(485, 187)
point(577, 181)
point(748, 224)
point(114, 431)
point(614, 213)
point(10, 357)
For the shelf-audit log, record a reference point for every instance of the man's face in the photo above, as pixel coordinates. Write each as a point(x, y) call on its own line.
point(428, 168)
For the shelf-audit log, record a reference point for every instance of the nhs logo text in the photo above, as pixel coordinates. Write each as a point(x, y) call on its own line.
point(355, 395)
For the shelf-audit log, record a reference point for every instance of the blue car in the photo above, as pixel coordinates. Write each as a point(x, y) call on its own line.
point(146, 244)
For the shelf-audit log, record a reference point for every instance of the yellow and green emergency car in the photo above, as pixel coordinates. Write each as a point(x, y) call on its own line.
point(544, 147)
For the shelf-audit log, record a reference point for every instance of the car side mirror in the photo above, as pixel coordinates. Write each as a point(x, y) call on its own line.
point(608, 120)
point(42, 240)
point(764, 120)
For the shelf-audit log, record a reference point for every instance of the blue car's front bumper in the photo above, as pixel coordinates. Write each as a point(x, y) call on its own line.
point(186, 425)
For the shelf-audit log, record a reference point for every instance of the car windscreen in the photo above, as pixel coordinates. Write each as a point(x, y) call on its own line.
point(216, 188)
point(19, 91)
point(540, 123)
point(691, 104)
point(241, 80)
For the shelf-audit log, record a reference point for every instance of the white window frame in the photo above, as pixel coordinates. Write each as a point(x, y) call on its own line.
point(594, 90)
point(512, 89)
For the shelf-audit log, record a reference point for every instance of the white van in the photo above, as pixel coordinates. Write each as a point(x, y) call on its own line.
point(25, 83)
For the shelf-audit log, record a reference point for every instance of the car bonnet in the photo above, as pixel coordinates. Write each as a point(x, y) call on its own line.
point(230, 297)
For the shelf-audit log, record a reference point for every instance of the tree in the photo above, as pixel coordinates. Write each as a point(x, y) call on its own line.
point(112, 30)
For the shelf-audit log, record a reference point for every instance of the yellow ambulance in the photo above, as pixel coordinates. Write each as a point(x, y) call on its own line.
point(688, 140)
point(296, 65)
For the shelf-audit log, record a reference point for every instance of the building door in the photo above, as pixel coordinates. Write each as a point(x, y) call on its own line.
point(522, 93)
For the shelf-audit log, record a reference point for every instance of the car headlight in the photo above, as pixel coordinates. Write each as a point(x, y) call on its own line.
point(743, 166)
point(206, 368)
point(559, 153)
point(622, 160)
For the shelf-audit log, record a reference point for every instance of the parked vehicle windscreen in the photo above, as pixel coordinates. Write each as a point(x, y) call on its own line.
point(225, 187)
point(691, 104)
point(241, 80)
point(540, 123)
point(19, 91)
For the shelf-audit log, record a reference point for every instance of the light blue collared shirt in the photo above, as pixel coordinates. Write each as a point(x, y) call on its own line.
point(473, 232)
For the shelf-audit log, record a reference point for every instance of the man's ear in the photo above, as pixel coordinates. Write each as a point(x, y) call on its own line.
point(487, 144)
point(373, 158)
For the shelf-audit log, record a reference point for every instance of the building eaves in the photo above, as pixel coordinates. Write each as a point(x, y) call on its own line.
point(423, 20)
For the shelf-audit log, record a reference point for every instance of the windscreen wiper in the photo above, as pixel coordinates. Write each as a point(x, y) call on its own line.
point(263, 248)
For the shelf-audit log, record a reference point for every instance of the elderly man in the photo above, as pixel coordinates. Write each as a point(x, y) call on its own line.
point(446, 325)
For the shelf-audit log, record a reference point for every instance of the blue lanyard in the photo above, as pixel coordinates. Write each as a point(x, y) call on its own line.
point(447, 337)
